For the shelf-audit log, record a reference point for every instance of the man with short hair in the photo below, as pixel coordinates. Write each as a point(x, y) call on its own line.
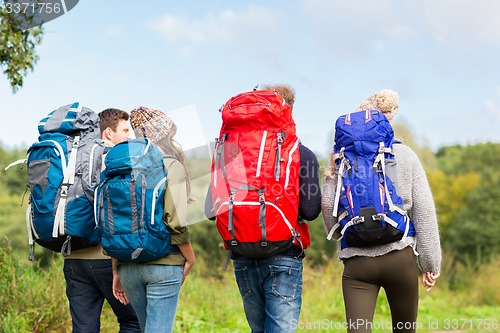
point(88, 272)
point(271, 287)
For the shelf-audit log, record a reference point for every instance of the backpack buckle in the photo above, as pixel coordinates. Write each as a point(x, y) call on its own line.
point(378, 217)
point(64, 191)
point(381, 148)
point(358, 220)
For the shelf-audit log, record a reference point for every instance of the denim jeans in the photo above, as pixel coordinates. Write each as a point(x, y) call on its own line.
point(153, 291)
point(271, 290)
point(88, 283)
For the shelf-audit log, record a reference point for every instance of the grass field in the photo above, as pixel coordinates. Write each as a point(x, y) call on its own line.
point(33, 300)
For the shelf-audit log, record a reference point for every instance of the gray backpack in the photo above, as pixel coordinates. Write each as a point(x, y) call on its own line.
point(63, 169)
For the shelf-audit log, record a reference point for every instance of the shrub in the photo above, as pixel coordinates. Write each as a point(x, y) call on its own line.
point(31, 298)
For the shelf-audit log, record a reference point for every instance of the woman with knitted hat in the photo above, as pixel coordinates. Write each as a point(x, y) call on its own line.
point(390, 266)
point(153, 287)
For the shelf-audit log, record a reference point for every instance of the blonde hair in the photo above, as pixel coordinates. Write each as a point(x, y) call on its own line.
point(385, 101)
point(285, 91)
point(331, 171)
point(170, 146)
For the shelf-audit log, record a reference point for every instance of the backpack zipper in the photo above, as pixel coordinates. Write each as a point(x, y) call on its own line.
point(264, 101)
point(261, 153)
point(289, 164)
point(216, 161)
point(277, 171)
point(155, 196)
point(143, 199)
point(91, 162)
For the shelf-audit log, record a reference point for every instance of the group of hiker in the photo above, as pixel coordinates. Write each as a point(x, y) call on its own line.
point(121, 191)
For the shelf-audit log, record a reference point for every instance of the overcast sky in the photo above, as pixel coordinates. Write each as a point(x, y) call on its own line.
point(188, 57)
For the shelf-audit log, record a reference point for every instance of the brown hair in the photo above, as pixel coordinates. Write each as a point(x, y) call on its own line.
point(110, 117)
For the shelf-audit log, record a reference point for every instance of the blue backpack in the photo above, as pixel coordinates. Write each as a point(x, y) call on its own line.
point(367, 206)
point(63, 169)
point(129, 203)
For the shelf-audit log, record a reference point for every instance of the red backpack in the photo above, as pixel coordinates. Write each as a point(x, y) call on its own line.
point(255, 176)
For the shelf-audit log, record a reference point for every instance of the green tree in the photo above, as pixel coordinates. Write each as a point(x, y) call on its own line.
point(444, 187)
point(475, 231)
point(14, 180)
point(467, 193)
point(483, 158)
point(17, 48)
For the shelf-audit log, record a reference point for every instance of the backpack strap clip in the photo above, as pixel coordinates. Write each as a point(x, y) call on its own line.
point(355, 220)
point(358, 220)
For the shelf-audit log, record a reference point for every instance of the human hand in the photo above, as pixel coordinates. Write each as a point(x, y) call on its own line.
point(186, 269)
point(429, 280)
point(118, 291)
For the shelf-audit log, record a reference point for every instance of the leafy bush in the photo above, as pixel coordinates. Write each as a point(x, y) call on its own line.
point(31, 299)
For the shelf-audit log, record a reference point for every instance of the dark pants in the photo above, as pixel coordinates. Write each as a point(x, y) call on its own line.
point(362, 279)
point(88, 283)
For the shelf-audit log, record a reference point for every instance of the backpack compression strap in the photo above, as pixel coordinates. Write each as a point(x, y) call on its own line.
point(69, 178)
point(230, 219)
point(343, 167)
point(31, 232)
point(380, 160)
point(219, 157)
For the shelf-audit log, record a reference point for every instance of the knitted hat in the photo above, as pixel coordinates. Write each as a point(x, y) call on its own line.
point(150, 123)
point(385, 101)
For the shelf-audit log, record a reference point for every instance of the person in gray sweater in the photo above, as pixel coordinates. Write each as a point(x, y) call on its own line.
point(390, 266)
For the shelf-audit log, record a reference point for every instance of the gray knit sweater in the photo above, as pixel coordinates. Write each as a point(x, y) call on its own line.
point(417, 199)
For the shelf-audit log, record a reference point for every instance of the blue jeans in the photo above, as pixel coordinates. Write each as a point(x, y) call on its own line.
point(88, 283)
point(153, 291)
point(271, 290)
